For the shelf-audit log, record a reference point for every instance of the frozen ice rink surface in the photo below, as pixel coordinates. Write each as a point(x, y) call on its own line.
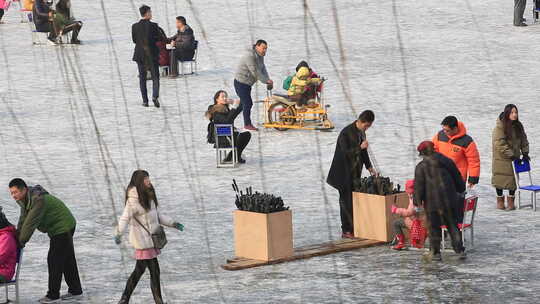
point(71, 120)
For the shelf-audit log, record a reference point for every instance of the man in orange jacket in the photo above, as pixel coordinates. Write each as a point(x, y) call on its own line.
point(453, 142)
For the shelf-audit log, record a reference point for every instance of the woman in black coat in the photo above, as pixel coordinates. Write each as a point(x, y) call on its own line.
point(437, 182)
point(220, 113)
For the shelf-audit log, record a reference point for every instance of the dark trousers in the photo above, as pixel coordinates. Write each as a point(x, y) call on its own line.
point(500, 192)
point(241, 141)
point(184, 54)
point(61, 261)
point(459, 208)
point(246, 103)
point(47, 27)
point(443, 217)
point(519, 9)
point(1, 13)
point(399, 226)
point(154, 70)
point(135, 276)
point(346, 211)
point(75, 27)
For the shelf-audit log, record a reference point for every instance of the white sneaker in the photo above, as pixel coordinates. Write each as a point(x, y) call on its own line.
point(49, 300)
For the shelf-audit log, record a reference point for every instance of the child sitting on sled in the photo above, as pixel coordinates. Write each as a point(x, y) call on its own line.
point(410, 219)
point(302, 87)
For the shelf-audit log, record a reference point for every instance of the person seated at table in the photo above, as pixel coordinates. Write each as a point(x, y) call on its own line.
point(8, 249)
point(225, 111)
point(65, 23)
point(406, 221)
point(183, 41)
point(302, 87)
point(43, 16)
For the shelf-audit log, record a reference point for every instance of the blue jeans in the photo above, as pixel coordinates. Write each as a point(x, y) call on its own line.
point(244, 92)
point(142, 81)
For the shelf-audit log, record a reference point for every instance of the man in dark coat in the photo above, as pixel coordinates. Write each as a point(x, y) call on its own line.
point(437, 183)
point(183, 41)
point(145, 35)
point(350, 157)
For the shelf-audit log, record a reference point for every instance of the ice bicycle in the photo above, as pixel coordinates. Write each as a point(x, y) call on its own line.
point(282, 114)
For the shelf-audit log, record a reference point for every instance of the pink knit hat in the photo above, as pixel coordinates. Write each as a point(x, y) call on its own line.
point(409, 186)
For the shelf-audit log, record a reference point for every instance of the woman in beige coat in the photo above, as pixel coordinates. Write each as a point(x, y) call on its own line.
point(142, 216)
point(509, 144)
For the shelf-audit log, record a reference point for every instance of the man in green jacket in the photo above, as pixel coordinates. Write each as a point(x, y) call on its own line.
point(48, 214)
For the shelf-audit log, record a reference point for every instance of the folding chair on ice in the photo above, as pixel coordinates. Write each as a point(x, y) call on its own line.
point(468, 221)
point(222, 151)
point(536, 10)
point(524, 166)
point(14, 281)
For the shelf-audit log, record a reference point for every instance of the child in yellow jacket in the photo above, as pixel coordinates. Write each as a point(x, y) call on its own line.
point(299, 84)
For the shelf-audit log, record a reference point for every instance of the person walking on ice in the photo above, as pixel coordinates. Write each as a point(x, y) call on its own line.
point(250, 70)
point(146, 234)
point(145, 34)
point(48, 214)
point(436, 183)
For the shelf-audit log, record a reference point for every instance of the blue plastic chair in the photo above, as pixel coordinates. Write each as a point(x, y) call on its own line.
point(15, 280)
point(524, 166)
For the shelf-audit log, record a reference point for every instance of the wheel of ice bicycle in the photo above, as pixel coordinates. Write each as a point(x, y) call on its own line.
point(281, 114)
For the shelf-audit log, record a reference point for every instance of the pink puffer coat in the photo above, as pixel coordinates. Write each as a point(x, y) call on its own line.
point(8, 252)
point(409, 214)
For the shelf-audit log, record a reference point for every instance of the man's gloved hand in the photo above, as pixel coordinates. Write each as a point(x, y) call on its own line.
point(179, 226)
point(393, 209)
point(526, 157)
point(118, 239)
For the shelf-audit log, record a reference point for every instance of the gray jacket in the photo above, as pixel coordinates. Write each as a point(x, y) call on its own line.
point(251, 69)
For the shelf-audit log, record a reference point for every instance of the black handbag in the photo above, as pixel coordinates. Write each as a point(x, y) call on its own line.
point(159, 238)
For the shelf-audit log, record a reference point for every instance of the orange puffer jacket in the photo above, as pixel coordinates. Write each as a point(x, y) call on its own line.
point(462, 149)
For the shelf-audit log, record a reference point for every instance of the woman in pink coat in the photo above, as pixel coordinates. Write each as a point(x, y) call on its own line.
point(407, 217)
point(8, 249)
point(4, 4)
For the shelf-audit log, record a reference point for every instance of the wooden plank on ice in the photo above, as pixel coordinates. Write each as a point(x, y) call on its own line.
point(304, 252)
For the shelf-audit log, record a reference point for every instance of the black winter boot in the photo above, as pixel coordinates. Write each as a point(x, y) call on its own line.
point(155, 283)
point(156, 102)
point(123, 301)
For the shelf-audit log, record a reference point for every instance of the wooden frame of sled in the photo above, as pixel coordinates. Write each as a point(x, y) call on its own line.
point(282, 115)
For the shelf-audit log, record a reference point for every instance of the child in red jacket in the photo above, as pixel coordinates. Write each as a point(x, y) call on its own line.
point(409, 220)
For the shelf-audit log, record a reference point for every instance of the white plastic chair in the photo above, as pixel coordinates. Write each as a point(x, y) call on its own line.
point(15, 280)
point(192, 62)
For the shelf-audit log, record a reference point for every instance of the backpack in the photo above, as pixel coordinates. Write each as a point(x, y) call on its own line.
point(210, 137)
point(287, 83)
